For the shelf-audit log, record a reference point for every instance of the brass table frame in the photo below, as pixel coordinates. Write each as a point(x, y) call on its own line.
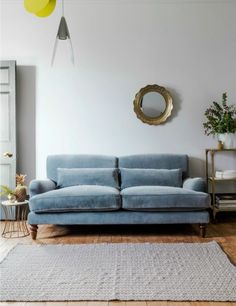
point(212, 180)
point(15, 219)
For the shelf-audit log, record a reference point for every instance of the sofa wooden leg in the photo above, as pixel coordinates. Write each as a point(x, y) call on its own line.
point(202, 230)
point(33, 230)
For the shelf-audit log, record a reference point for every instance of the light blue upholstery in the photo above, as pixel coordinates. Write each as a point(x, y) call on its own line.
point(95, 204)
point(159, 198)
point(40, 186)
point(78, 161)
point(150, 177)
point(74, 198)
point(87, 176)
point(119, 217)
point(156, 161)
point(196, 184)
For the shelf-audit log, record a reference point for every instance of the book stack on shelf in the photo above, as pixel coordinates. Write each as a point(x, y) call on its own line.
point(226, 174)
point(226, 201)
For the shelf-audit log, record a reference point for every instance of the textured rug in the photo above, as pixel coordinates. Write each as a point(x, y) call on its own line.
point(126, 271)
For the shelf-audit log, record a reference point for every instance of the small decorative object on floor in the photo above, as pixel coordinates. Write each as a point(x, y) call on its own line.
point(15, 219)
point(221, 122)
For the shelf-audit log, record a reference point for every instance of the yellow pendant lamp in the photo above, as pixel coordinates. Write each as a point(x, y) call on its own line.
point(40, 8)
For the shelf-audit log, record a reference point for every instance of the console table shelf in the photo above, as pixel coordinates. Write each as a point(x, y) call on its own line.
point(216, 179)
point(218, 203)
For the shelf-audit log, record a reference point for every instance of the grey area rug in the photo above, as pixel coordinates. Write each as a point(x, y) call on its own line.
point(126, 271)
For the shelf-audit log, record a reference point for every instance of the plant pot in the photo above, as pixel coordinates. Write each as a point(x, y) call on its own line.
point(226, 139)
point(11, 198)
point(220, 145)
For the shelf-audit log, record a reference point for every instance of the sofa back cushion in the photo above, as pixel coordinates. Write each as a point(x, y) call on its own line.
point(78, 161)
point(87, 176)
point(156, 161)
point(150, 177)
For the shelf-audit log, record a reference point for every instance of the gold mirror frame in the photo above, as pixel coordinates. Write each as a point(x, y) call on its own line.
point(138, 104)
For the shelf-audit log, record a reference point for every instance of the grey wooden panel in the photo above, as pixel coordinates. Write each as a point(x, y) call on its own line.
point(7, 123)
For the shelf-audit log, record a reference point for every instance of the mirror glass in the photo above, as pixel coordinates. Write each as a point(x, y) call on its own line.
point(153, 104)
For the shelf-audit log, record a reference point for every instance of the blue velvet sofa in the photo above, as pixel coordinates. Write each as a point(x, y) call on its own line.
point(135, 189)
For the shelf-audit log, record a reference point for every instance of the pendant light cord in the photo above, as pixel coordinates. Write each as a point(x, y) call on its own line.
point(62, 5)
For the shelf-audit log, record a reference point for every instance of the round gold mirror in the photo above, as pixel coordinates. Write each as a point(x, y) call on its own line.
point(153, 104)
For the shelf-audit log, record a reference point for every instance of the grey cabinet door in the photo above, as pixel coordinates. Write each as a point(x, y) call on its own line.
point(7, 124)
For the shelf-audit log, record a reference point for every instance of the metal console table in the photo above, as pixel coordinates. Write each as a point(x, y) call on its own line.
point(212, 182)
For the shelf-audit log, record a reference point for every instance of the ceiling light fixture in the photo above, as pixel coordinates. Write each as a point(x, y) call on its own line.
point(63, 34)
point(42, 8)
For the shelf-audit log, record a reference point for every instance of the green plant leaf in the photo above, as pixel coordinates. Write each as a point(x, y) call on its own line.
point(224, 99)
point(6, 190)
point(220, 119)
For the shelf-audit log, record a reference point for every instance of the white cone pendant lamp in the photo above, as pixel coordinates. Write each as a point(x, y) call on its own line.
point(44, 8)
point(63, 34)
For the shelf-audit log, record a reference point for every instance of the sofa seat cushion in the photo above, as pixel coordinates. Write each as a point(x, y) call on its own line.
point(159, 198)
point(77, 198)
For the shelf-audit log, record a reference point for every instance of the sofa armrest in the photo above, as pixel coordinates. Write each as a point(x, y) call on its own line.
point(196, 184)
point(40, 186)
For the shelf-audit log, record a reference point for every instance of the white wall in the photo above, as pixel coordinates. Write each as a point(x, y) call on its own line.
point(120, 46)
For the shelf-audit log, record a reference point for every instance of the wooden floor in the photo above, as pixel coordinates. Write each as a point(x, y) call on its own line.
point(224, 232)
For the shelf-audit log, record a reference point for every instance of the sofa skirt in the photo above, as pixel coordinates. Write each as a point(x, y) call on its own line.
point(119, 217)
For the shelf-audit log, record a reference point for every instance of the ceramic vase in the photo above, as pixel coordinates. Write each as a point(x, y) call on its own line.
point(11, 198)
point(226, 139)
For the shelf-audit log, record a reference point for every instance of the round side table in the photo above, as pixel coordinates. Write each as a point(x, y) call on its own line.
point(15, 219)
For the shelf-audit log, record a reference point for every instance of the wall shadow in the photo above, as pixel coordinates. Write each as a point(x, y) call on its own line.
point(176, 104)
point(197, 167)
point(25, 121)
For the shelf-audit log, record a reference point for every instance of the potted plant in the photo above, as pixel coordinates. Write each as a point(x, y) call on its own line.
point(221, 121)
point(6, 191)
point(20, 192)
